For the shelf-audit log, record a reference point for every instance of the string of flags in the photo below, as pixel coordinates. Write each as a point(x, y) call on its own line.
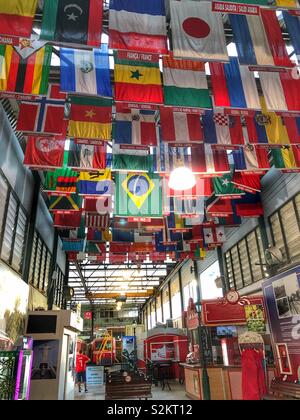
point(126, 113)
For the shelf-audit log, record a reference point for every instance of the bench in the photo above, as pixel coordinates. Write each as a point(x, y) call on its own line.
point(283, 391)
point(119, 388)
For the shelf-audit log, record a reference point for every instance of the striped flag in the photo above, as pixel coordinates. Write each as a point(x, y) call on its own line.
point(292, 125)
point(72, 22)
point(98, 205)
point(197, 32)
point(265, 127)
point(233, 85)
point(45, 115)
point(97, 221)
point(99, 235)
point(138, 26)
point(222, 129)
point(208, 160)
point(293, 27)
point(28, 76)
point(167, 158)
point(180, 127)
point(285, 158)
point(259, 39)
point(249, 206)
point(85, 72)
point(185, 83)
point(98, 183)
point(136, 127)
point(85, 157)
point(62, 180)
point(90, 118)
point(137, 81)
point(252, 159)
point(281, 90)
point(131, 159)
point(67, 220)
point(16, 17)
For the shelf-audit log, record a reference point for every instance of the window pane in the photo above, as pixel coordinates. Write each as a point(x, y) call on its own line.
point(9, 229)
point(254, 256)
point(3, 198)
point(19, 243)
point(237, 268)
point(277, 233)
point(245, 262)
point(43, 265)
point(32, 260)
point(291, 230)
point(47, 270)
point(229, 269)
point(38, 263)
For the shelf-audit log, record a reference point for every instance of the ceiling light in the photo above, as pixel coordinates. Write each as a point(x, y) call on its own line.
point(181, 179)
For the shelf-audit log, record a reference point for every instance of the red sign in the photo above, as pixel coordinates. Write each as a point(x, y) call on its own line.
point(19, 96)
point(188, 110)
point(294, 12)
point(219, 312)
point(192, 318)
point(236, 8)
point(88, 315)
point(120, 106)
point(268, 69)
point(132, 55)
point(246, 112)
point(91, 142)
point(9, 40)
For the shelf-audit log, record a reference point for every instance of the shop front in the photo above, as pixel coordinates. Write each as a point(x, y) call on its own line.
point(214, 366)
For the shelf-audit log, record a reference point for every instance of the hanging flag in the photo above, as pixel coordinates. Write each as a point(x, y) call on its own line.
point(28, 76)
point(97, 221)
point(138, 26)
point(149, 224)
point(136, 127)
point(188, 207)
point(250, 158)
point(95, 183)
point(90, 118)
point(167, 158)
point(101, 205)
point(62, 180)
point(218, 207)
point(197, 32)
point(131, 236)
point(137, 81)
point(249, 206)
point(247, 182)
point(214, 235)
point(131, 159)
point(233, 85)
point(74, 234)
point(45, 115)
point(85, 72)
point(224, 187)
point(86, 157)
point(209, 160)
point(72, 202)
point(138, 195)
point(293, 27)
point(72, 246)
point(284, 158)
point(67, 220)
point(44, 152)
point(185, 83)
point(266, 127)
point(16, 17)
point(202, 188)
point(222, 129)
point(73, 22)
point(27, 47)
point(292, 125)
point(281, 90)
point(96, 235)
point(259, 39)
point(180, 127)
point(96, 249)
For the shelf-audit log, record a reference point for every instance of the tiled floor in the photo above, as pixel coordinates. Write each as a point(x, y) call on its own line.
point(177, 393)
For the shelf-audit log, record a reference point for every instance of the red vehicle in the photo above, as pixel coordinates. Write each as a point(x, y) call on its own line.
point(103, 351)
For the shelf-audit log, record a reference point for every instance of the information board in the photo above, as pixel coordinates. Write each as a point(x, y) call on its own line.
point(95, 375)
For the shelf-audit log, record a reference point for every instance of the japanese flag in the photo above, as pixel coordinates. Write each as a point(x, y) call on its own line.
point(197, 31)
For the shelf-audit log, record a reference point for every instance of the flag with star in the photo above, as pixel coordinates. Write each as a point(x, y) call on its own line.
point(224, 187)
point(73, 22)
point(90, 118)
point(138, 195)
point(137, 81)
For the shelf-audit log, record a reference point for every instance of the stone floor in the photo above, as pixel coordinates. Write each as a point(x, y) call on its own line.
point(177, 393)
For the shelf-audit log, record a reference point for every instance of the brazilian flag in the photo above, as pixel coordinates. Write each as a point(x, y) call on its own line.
point(138, 195)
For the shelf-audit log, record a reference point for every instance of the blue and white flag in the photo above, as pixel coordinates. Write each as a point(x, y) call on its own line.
point(87, 72)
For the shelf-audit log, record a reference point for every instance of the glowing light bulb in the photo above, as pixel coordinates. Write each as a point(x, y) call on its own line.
point(181, 179)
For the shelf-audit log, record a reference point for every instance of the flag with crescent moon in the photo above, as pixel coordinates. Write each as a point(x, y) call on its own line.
point(73, 22)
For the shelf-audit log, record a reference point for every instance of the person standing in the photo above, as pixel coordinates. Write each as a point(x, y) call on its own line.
point(81, 362)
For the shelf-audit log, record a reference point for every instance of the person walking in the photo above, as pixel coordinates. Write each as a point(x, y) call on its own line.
point(81, 362)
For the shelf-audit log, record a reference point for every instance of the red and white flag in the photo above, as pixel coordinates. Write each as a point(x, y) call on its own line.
point(180, 127)
point(209, 160)
point(97, 221)
point(44, 152)
point(214, 235)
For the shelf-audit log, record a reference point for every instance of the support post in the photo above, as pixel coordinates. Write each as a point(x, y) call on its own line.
point(170, 300)
point(225, 283)
point(205, 377)
point(52, 281)
point(181, 290)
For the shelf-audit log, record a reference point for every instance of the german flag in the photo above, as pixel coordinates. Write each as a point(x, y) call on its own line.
point(28, 75)
point(16, 17)
point(137, 81)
